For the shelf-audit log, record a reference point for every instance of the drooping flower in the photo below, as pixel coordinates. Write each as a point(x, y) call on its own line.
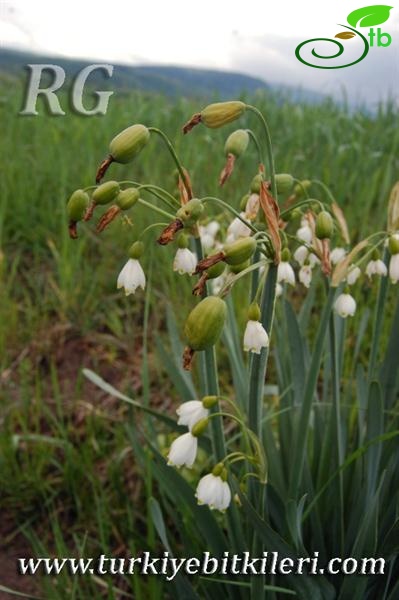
point(131, 277)
point(305, 275)
point(394, 268)
point(301, 254)
point(191, 412)
point(337, 255)
point(376, 267)
point(353, 275)
point(208, 233)
point(183, 450)
point(213, 489)
point(305, 234)
point(255, 337)
point(279, 290)
point(185, 261)
point(285, 273)
point(345, 305)
point(238, 229)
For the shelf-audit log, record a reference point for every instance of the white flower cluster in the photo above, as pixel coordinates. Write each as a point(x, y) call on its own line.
point(213, 488)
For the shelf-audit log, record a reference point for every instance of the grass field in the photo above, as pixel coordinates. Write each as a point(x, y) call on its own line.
point(72, 480)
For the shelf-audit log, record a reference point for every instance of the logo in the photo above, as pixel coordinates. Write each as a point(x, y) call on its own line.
point(367, 17)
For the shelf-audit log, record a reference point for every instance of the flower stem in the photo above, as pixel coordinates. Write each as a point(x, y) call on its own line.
point(172, 151)
point(268, 145)
point(231, 209)
point(156, 209)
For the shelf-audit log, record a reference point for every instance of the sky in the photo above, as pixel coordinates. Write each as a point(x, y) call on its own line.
point(249, 36)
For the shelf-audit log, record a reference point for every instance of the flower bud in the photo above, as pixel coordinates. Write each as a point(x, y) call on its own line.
point(302, 187)
point(106, 192)
point(205, 323)
point(255, 183)
point(237, 143)
point(239, 251)
point(129, 142)
point(200, 426)
point(209, 401)
point(215, 270)
point(284, 183)
point(77, 205)
point(254, 312)
point(136, 250)
point(127, 198)
point(324, 225)
point(220, 113)
point(190, 212)
point(393, 244)
point(238, 268)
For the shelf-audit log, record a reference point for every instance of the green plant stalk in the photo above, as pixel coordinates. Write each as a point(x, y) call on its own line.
point(378, 316)
point(269, 147)
point(256, 142)
point(310, 388)
point(172, 151)
point(338, 425)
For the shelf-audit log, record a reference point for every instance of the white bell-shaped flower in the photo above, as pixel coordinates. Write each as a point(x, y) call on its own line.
point(131, 277)
point(213, 491)
point(238, 229)
point(305, 275)
point(183, 450)
point(301, 254)
point(191, 412)
point(285, 273)
point(185, 261)
point(345, 305)
point(337, 255)
point(394, 268)
point(305, 234)
point(255, 337)
point(376, 267)
point(353, 275)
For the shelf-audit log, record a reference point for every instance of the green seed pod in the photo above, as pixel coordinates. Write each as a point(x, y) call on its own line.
point(301, 188)
point(136, 250)
point(324, 225)
point(393, 244)
point(237, 143)
point(284, 183)
point(220, 113)
point(129, 142)
point(255, 183)
point(77, 205)
point(238, 268)
point(127, 198)
point(106, 192)
point(190, 212)
point(215, 270)
point(200, 427)
point(295, 214)
point(239, 251)
point(205, 323)
point(218, 469)
point(209, 401)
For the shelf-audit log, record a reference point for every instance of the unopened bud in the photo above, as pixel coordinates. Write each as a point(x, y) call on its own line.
point(127, 198)
point(254, 312)
point(128, 143)
point(209, 401)
point(190, 212)
point(220, 113)
point(239, 251)
point(255, 183)
point(136, 250)
point(77, 205)
point(237, 143)
point(205, 322)
point(284, 183)
point(200, 427)
point(301, 188)
point(105, 193)
point(324, 225)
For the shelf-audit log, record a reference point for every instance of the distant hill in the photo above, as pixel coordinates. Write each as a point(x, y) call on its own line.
point(170, 80)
